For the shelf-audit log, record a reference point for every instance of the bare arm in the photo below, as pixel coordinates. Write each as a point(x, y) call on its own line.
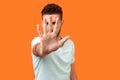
point(38, 51)
point(73, 75)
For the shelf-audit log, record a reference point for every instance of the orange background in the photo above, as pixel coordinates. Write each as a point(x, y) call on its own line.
point(93, 25)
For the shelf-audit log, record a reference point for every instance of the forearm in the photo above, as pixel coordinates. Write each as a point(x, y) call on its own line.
point(73, 76)
point(39, 50)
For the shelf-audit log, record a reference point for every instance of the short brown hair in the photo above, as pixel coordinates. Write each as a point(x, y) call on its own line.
point(52, 9)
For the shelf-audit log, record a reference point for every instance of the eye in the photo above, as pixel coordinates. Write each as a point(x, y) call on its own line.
point(47, 23)
point(53, 23)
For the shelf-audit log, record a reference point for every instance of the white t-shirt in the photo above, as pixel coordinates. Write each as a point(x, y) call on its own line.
point(56, 65)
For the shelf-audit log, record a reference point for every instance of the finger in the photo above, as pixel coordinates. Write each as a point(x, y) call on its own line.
point(45, 26)
point(38, 30)
point(57, 27)
point(50, 24)
point(63, 40)
point(50, 21)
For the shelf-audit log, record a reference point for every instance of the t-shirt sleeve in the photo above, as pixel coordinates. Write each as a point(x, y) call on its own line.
point(72, 52)
point(35, 41)
point(35, 59)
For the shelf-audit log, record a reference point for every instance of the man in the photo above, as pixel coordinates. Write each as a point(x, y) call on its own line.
point(53, 55)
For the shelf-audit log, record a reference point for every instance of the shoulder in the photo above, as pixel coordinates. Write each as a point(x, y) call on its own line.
point(68, 45)
point(69, 42)
point(35, 40)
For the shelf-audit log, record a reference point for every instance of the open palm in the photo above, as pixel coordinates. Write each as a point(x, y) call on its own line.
point(49, 40)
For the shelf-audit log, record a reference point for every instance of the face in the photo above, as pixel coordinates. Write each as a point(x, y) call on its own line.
point(50, 21)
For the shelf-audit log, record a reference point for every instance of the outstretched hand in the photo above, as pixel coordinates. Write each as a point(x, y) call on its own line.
point(49, 40)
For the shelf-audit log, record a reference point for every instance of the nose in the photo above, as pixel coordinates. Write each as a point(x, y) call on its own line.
point(50, 28)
